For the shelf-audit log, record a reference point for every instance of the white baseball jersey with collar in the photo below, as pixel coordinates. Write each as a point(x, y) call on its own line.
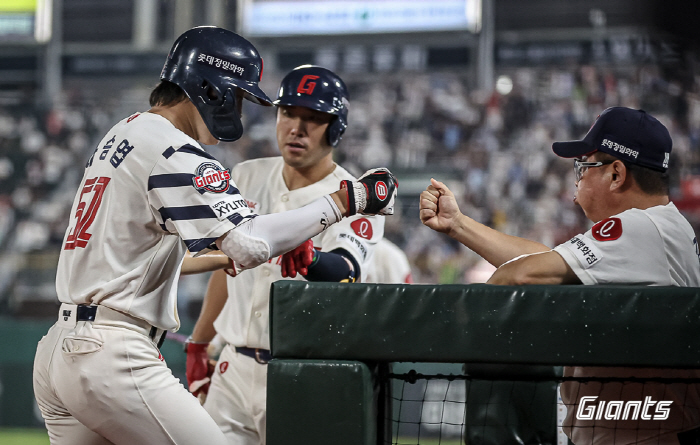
point(389, 265)
point(655, 247)
point(244, 319)
point(149, 193)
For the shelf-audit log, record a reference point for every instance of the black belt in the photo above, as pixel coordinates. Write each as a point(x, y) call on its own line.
point(261, 356)
point(87, 313)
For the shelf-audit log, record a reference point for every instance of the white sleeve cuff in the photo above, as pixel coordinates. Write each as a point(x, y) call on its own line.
point(574, 264)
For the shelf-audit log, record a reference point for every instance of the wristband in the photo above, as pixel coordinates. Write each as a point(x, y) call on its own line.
point(189, 341)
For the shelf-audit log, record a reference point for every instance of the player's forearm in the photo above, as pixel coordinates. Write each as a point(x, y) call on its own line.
point(204, 263)
point(267, 236)
point(214, 301)
point(494, 246)
point(284, 231)
point(541, 268)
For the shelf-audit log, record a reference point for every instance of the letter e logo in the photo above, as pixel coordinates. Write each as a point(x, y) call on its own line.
point(608, 229)
point(362, 228)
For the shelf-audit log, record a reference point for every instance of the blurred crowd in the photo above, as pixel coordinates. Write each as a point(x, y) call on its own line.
point(493, 148)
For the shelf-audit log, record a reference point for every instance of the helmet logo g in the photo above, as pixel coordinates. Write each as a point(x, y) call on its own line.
point(306, 87)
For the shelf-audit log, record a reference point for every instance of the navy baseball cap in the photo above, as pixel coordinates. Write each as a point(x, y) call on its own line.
point(627, 134)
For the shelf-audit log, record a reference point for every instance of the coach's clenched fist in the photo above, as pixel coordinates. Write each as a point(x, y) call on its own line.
point(438, 208)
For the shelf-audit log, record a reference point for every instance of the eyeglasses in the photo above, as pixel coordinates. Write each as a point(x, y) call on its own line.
point(580, 167)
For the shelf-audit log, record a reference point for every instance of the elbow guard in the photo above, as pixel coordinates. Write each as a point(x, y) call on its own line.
point(246, 251)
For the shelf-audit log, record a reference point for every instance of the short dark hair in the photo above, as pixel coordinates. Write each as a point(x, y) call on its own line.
point(166, 93)
point(652, 182)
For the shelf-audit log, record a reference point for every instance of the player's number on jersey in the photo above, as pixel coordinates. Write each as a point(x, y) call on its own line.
point(86, 211)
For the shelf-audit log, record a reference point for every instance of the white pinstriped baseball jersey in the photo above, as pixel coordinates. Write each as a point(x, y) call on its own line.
point(148, 194)
point(244, 319)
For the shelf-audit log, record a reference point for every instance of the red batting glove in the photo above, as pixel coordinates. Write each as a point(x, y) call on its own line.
point(199, 369)
point(298, 260)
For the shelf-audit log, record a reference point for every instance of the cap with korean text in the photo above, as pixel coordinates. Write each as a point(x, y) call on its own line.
point(631, 135)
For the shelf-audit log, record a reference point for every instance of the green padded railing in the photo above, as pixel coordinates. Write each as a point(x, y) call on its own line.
point(322, 334)
point(546, 325)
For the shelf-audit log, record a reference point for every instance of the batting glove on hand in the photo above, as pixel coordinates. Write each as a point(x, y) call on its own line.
point(373, 193)
point(199, 368)
point(298, 260)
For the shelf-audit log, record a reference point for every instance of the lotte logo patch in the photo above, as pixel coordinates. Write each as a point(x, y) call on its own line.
point(381, 190)
point(608, 229)
point(223, 366)
point(211, 178)
point(362, 228)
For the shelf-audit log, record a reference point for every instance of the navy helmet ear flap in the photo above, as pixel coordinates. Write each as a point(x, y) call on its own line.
point(335, 130)
point(222, 120)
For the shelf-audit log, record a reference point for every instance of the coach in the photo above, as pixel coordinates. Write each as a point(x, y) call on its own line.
point(639, 238)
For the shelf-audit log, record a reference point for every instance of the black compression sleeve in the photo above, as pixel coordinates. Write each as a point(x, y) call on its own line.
point(332, 266)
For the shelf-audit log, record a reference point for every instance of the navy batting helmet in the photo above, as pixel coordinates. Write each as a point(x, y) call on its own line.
point(320, 89)
point(207, 60)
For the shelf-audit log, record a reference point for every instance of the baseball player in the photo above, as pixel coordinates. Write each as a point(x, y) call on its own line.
point(312, 110)
point(149, 193)
point(389, 265)
point(639, 237)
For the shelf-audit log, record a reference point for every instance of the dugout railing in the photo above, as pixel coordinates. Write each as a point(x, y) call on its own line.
point(332, 343)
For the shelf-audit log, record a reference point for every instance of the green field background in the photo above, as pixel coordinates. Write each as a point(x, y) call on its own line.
point(23, 436)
